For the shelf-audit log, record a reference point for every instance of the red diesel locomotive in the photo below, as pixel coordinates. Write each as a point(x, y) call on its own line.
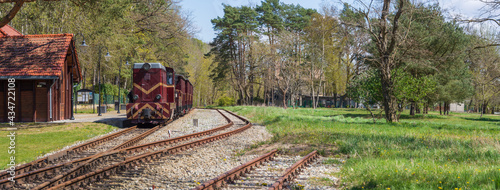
point(158, 94)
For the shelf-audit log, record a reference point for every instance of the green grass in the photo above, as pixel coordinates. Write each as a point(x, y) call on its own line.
point(91, 110)
point(33, 142)
point(431, 152)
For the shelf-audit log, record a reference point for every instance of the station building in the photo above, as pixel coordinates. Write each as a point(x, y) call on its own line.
point(44, 67)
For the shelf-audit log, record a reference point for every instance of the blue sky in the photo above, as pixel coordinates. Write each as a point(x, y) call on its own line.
point(202, 11)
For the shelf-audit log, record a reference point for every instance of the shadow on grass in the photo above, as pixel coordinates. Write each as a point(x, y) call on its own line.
point(411, 147)
point(481, 119)
point(421, 116)
point(382, 116)
point(368, 185)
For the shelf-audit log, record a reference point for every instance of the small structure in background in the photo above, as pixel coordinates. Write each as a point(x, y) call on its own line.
point(45, 68)
point(84, 96)
point(457, 107)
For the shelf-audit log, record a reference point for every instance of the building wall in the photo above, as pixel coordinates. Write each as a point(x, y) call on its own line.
point(41, 100)
point(33, 100)
point(457, 107)
point(26, 96)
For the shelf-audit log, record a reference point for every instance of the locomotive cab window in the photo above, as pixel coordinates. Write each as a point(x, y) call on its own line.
point(170, 78)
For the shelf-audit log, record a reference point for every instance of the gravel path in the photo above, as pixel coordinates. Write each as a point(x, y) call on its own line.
point(207, 119)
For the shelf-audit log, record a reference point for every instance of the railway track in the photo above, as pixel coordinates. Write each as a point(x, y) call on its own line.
point(50, 176)
point(72, 153)
point(128, 163)
point(46, 168)
point(254, 177)
point(36, 176)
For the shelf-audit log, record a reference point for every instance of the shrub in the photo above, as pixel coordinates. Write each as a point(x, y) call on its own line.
point(225, 101)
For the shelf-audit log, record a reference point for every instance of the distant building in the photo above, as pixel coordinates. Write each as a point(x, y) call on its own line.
point(45, 68)
point(457, 107)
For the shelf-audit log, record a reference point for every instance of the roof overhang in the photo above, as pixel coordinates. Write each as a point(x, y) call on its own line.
point(28, 77)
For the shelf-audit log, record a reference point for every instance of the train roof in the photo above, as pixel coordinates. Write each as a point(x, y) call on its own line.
point(180, 76)
point(153, 66)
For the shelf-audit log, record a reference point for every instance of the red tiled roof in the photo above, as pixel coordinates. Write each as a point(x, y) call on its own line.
point(34, 55)
point(9, 31)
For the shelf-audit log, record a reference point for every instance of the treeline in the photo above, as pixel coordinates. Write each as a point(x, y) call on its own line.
point(132, 30)
point(395, 54)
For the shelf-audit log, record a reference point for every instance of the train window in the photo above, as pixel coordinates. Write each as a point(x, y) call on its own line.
point(170, 78)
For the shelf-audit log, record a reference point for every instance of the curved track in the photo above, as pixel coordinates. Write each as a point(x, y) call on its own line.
point(80, 171)
point(232, 175)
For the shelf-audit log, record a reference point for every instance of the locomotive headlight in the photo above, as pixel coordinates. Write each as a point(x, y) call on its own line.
point(158, 96)
point(146, 66)
point(136, 97)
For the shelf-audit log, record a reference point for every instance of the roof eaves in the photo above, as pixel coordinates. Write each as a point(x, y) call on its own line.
point(29, 77)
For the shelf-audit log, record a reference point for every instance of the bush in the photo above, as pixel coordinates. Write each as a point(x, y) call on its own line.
point(225, 101)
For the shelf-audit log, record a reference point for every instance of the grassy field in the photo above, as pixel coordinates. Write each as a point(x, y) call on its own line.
point(461, 151)
point(33, 142)
point(89, 111)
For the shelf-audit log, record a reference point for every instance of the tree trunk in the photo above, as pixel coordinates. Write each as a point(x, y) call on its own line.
point(389, 100)
point(447, 108)
point(481, 110)
point(448, 112)
point(440, 107)
point(371, 113)
point(412, 108)
point(284, 98)
point(341, 101)
point(470, 104)
point(334, 99)
point(485, 107)
point(272, 95)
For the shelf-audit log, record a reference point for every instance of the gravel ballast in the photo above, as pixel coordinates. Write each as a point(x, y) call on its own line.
point(192, 167)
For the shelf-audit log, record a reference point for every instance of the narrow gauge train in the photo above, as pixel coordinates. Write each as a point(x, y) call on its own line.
point(158, 94)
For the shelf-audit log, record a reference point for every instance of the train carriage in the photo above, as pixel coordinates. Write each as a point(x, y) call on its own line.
point(189, 95)
point(180, 89)
point(152, 99)
point(158, 94)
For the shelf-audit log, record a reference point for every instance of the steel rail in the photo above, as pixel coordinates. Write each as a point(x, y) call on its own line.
point(101, 157)
point(88, 166)
point(140, 137)
point(236, 172)
point(131, 162)
point(293, 170)
point(137, 148)
point(43, 162)
point(93, 159)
